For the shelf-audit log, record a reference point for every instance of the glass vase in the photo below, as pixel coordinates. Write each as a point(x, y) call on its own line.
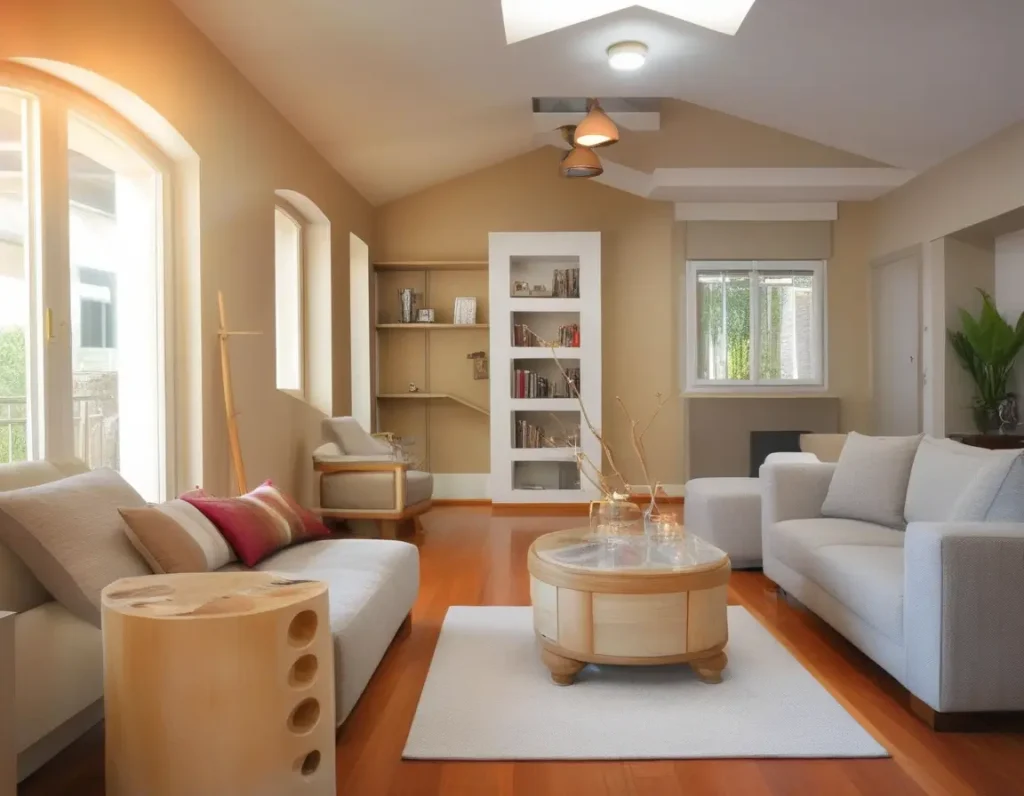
point(660, 522)
point(615, 515)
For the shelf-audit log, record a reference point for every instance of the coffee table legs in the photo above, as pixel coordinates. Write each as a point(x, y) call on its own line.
point(709, 670)
point(563, 670)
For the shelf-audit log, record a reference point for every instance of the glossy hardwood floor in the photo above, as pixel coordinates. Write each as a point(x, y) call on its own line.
point(469, 557)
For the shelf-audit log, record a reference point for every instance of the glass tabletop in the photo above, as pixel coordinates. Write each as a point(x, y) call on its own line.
point(579, 549)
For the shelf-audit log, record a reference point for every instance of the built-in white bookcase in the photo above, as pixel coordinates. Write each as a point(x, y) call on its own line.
point(547, 474)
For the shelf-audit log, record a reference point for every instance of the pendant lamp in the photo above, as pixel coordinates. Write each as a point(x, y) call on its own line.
point(579, 161)
point(596, 129)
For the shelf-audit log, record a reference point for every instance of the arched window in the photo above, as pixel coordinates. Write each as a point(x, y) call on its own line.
point(85, 217)
point(289, 255)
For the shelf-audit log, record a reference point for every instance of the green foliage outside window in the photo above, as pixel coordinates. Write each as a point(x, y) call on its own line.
point(13, 384)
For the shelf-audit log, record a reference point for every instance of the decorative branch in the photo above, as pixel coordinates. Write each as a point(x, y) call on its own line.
point(638, 438)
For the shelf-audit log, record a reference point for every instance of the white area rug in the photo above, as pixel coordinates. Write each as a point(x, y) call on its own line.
point(488, 697)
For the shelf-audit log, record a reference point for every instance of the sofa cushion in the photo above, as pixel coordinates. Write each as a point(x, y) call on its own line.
point(353, 439)
point(868, 580)
point(20, 590)
point(996, 494)
point(69, 533)
point(372, 585)
point(870, 482)
point(177, 537)
point(794, 542)
point(944, 471)
point(368, 491)
point(260, 522)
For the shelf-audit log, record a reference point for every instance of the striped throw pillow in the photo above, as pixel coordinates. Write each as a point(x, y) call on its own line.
point(176, 537)
point(259, 523)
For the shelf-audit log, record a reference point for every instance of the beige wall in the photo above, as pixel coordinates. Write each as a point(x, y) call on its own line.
point(693, 136)
point(643, 252)
point(978, 184)
point(246, 150)
point(967, 268)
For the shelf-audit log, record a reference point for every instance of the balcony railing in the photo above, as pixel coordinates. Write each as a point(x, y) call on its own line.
point(96, 441)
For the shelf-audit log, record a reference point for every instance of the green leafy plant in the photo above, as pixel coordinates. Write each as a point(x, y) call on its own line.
point(987, 347)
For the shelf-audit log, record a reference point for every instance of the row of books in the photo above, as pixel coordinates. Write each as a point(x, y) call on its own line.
point(568, 336)
point(567, 283)
point(527, 435)
point(529, 384)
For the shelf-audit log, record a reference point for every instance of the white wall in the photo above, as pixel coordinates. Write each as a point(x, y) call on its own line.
point(967, 268)
point(1009, 295)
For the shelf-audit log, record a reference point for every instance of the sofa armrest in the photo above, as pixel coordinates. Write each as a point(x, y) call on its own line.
point(8, 756)
point(793, 490)
point(963, 619)
point(359, 464)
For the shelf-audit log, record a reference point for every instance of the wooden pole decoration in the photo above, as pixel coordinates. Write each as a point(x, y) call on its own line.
point(229, 399)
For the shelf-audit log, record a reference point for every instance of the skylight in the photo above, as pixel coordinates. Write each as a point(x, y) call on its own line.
point(525, 19)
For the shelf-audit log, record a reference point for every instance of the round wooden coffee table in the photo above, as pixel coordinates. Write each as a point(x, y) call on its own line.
point(628, 600)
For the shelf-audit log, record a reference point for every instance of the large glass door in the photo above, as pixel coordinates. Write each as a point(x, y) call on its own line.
point(115, 275)
point(18, 440)
point(82, 316)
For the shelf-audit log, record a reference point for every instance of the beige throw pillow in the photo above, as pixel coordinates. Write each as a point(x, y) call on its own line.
point(176, 537)
point(870, 482)
point(70, 535)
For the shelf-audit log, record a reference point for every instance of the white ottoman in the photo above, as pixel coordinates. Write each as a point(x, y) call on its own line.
point(727, 513)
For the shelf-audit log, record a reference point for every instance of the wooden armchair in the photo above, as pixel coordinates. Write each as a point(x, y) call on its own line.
point(362, 479)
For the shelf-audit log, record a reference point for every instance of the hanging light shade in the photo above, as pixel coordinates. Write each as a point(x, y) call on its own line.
point(596, 129)
point(581, 162)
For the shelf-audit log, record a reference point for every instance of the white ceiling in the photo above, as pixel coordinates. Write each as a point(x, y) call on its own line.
point(401, 94)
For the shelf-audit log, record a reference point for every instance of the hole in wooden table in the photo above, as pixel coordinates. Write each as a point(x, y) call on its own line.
point(303, 671)
point(305, 716)
point(303, 628)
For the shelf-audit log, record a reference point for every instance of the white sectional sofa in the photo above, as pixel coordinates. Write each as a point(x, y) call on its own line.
point(938, 604)
point(58, 657)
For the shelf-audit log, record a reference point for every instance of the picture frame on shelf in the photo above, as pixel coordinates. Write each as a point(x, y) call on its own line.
point(465, 310)
point(425, 316)
point(520, 289)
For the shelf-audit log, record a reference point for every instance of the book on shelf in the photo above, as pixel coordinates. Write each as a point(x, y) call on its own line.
point(568, 336)
point(529, 384)
point(566, 283)
point(528, 435)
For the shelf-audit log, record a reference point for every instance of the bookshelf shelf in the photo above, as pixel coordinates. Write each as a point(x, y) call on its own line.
point(431, 327)
point(432, 265)
point(431, 396)
point(547, 474)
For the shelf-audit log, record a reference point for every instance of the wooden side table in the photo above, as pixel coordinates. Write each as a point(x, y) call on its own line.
point(8, 755)
point(218, 684)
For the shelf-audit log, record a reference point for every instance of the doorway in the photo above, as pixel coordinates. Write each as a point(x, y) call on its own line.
point(896, 346)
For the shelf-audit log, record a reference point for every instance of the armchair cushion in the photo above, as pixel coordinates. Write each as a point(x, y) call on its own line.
point(871, 479)
point(352, 438)
point(372, 491)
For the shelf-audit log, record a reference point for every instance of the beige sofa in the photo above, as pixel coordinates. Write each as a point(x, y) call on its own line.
point(58, 658)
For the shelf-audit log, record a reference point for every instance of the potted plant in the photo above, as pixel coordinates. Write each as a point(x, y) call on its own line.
point(987, 347)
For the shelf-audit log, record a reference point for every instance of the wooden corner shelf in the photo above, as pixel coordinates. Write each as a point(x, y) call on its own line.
point(427, 327)
point(429, 396)
point(432, 265)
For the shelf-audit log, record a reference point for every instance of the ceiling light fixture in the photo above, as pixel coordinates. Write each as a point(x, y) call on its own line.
point(579, 161)
point(627, 56)
point(596, 129)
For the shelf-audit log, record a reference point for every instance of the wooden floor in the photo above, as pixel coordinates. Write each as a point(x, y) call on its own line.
point(469, 557)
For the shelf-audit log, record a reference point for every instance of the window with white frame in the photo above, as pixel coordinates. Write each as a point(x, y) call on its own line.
point(288, 315)
point(755, 324)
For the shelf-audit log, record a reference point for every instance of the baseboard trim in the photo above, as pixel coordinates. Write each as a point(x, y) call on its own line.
point(450, 502)
point(1010, 721)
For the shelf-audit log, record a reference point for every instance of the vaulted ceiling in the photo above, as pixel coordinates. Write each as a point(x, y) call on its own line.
point(402, 94)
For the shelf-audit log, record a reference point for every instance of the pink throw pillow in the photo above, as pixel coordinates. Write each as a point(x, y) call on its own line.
point(259, 523)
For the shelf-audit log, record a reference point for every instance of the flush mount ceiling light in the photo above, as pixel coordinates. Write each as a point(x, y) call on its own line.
point(596, 129)
point(579, 161)
point(525, 19)
point(627, 56)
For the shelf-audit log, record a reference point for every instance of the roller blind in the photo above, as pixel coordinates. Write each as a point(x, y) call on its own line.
point(759, 240)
